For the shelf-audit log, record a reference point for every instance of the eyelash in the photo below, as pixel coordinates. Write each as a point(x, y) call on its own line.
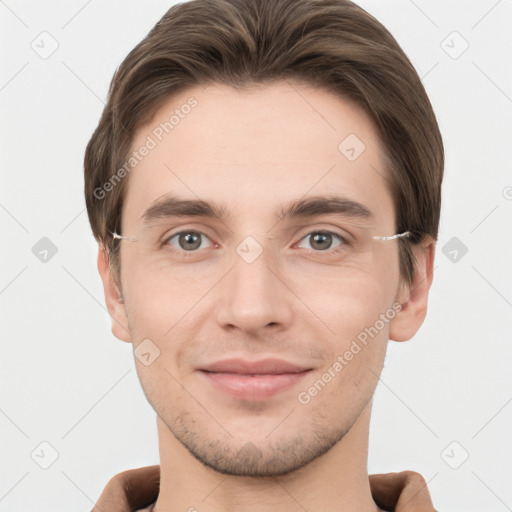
point(342, 239)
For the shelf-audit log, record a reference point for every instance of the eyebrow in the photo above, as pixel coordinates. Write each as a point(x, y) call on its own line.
point(169, 206)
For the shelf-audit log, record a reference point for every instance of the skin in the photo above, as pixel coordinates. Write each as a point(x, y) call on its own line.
point(253, 151)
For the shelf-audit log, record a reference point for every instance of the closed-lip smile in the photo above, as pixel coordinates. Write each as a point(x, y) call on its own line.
point(254, 380)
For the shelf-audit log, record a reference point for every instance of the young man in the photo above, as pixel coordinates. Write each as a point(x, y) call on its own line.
point(265, 186)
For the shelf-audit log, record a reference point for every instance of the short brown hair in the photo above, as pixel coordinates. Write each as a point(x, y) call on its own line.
point(331, 44)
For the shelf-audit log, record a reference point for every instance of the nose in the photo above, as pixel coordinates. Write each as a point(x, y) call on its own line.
point(254, 297)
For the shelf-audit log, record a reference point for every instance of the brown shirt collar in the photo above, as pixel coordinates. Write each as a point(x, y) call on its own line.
point(135, 489)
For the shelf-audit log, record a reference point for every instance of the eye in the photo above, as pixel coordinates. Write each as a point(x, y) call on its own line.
point(323, 240)
point(191, 241)
point(187, 241)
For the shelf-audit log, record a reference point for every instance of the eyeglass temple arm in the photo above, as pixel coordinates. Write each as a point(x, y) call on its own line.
point(119, 237)
point(405, 234)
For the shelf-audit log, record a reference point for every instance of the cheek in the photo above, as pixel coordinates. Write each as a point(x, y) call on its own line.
point(355, 315)
point(346, 305)
point(158, 296)
point(161, 386)
point(358, 314)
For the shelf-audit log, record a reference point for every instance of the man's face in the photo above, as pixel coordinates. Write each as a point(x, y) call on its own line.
point(250, 286)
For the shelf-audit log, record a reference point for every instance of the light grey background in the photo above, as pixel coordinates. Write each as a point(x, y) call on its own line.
point(65, 380)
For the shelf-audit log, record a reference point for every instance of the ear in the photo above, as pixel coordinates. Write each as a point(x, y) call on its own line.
point(113, 299)
point(413, 297)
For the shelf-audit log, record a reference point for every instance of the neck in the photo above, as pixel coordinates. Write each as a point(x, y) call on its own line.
point(335, 481)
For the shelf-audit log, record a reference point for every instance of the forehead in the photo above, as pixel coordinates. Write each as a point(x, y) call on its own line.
point(254, 149)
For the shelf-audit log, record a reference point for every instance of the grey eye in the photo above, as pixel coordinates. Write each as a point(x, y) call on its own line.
point(187, 240)
point(322, 240)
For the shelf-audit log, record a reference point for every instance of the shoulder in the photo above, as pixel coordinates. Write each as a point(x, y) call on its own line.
point(130, 489)
point(397, 490)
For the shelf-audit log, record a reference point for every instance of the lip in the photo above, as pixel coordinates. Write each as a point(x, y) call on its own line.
point(261, 367)
point(254, 380)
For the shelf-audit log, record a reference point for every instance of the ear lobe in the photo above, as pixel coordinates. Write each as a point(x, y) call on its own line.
point(113, 299)
point(414, 296)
